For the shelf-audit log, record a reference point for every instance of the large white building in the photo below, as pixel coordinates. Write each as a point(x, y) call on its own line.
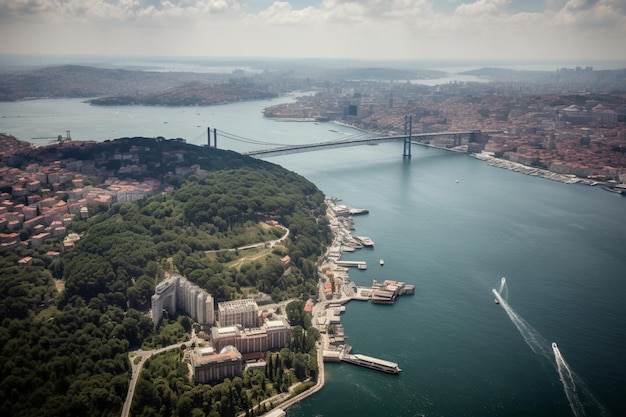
point(272, 335)
point(242, 312)
point(177, 292)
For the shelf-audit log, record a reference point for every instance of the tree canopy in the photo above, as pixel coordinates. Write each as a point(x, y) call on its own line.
point(69, 322)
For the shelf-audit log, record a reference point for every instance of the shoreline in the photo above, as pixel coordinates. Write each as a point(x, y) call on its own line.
point(340, 231)
point(493, 161)
point(532, 171)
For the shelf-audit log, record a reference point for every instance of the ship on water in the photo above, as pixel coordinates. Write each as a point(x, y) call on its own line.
point(355, 211)
point(373, 363)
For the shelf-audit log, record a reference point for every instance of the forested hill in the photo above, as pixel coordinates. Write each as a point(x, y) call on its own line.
point(136, 158)
point(69, 321)
point(125, 87)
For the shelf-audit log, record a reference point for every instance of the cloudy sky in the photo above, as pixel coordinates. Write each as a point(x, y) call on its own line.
point(347, 29)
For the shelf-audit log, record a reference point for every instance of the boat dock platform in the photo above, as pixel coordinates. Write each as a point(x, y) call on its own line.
point(387, 291)
point(383, 293)
point(358, 264)
point(364, 240)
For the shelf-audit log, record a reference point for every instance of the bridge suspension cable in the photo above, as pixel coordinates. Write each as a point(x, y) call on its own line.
point(238, 138)
point(382, 130)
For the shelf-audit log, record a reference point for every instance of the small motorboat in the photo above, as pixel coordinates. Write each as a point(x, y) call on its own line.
point(382, 262)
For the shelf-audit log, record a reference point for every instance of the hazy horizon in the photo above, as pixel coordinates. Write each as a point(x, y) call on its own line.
point(218, 64)
point(577, 31)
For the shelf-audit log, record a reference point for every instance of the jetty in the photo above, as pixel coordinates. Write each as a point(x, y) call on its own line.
point(364, 240)
point(357, 264)
point(387, 291)
point(336, 289)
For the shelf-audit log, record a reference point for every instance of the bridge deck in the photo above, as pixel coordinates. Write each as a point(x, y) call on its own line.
point(284, 150)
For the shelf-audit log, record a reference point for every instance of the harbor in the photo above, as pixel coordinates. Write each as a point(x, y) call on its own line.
point(336, 289)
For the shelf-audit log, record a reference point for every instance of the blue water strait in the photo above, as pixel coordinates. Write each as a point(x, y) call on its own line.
point(453, 226)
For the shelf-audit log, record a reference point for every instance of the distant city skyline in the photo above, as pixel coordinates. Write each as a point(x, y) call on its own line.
point(580, 30)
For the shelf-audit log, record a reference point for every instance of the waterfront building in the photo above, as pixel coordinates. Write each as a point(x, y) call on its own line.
point(242, 312)
point(273, 334)
point(208, 366)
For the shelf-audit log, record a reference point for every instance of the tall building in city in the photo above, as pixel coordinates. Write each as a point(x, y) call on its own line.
point(177, 292)
point(242, 312)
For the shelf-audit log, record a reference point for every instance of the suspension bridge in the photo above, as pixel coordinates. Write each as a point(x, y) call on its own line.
point(382, 135)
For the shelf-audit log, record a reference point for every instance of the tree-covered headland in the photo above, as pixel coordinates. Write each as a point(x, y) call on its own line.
point(68, 322)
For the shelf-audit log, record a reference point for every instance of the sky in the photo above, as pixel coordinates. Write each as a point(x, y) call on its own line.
point(344, 29)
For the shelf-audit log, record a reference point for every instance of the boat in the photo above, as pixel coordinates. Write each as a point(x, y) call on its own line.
point(382, 262)
point(356, 211)
point(373, 363)
point(495, 300)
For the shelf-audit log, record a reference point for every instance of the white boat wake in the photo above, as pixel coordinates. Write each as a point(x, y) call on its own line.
point(580, 399)
point(533, 339)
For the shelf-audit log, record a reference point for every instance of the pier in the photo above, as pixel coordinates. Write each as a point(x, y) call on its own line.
point(357, 264)
point(387, 291)
point(338, 290)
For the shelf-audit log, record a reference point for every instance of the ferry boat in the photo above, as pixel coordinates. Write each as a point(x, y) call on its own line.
point(373, 363)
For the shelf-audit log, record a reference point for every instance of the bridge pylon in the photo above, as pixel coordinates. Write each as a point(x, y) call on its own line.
point(408, 130)
point(208, 130)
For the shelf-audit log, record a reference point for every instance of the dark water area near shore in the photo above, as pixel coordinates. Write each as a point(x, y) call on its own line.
point(453, 226)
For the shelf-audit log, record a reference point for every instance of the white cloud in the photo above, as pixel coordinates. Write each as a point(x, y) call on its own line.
point(482, 8)
point(585, 13)
point(374, 10)
point(344, 28)
point(282, 13)
point(155, 11)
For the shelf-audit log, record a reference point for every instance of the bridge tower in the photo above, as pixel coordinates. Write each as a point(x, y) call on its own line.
point(208, 130)
point(408, 130)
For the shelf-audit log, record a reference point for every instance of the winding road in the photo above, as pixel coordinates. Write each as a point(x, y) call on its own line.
point(136, 369)
point(146, 354)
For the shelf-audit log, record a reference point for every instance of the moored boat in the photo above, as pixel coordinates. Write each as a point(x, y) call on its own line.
point(373, 363)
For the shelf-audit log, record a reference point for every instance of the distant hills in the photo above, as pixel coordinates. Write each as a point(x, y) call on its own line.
point(118, 87)
point(385, 74)
point(579, 75)
point(75, 81)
